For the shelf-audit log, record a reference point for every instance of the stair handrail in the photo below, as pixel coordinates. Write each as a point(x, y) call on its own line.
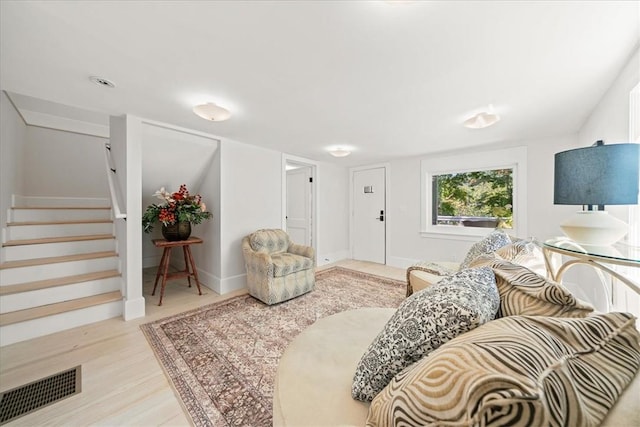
point(113, 187)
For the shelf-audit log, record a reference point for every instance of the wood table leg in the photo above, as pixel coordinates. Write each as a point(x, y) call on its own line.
point(159, 272)
point(193, 268)
point(186, 263)
point(164, 275)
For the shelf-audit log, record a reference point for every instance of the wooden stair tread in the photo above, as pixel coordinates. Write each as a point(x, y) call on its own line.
point(62, 207)
point(58, 281)
point(62, 222)
point(57, 259)
point(57, 308)
point(62, 239)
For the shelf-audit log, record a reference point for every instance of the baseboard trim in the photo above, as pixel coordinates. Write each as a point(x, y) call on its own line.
point(222, 286)
point(401, 262)
point(133, 308)
point(332, 257)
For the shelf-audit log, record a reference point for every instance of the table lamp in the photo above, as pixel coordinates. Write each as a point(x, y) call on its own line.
point(593, 177)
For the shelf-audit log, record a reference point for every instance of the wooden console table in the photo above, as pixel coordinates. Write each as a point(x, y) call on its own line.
point(189, 265)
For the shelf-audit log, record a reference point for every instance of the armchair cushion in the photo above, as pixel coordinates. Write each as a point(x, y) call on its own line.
point(287, 263)
point(269, 241)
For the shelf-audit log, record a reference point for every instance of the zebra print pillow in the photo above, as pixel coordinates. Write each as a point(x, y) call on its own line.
point(523, 292)
point(422, 323)
point(517, 371)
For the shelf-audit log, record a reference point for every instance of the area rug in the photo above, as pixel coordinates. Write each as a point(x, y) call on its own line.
point(222, 358)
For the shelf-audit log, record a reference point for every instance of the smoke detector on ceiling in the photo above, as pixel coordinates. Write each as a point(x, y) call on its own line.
point(101, 81)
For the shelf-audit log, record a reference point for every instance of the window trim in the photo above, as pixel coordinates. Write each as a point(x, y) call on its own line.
point(514, 158)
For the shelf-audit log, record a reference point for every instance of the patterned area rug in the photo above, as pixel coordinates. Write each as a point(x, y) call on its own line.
point(222, 358)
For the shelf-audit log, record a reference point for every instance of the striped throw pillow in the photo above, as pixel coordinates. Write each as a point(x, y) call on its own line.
point(517, 371)
point(524, 292)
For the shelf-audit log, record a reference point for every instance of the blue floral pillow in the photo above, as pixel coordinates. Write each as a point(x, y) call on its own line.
point(423, 322)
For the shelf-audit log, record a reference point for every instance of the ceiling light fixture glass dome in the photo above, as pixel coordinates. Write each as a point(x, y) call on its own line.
point(482, 120)
point(212, 112)
point(339, 152)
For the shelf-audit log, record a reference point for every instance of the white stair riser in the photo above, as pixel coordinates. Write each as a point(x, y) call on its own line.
point(46, 250)
point(40, 201)
point(12, 276)
point(24, 300)
point(22, 232)
point(23, 331)
point(22, 215)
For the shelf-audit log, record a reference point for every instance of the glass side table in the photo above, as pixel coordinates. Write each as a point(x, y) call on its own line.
point(598, 257)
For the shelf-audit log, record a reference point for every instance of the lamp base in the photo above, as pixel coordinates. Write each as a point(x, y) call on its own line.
point(594, 228)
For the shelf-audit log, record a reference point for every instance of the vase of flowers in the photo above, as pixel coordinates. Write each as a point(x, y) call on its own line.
point(176, 213)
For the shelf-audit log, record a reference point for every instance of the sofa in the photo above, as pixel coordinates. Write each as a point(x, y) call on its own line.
point(315, 374)
point(540, 357)
point(277, 269)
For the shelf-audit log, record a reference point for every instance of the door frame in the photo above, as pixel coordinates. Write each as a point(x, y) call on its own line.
point(386, 167)
point(288, 158)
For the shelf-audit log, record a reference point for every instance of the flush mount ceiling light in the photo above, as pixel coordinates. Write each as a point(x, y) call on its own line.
point(212, 112)
point(482, 120)
point(339, 152)
point(101, 81)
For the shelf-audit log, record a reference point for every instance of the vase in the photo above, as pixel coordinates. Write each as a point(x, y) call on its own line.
point(177, 231)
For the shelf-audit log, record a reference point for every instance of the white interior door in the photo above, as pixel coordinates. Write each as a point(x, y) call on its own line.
point(369, 216)
point(299, 205)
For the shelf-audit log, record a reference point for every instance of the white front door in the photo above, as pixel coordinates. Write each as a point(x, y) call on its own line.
point(299, 205)
point(369, 216)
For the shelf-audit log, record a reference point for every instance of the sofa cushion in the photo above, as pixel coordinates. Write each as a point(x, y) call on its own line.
point(286, 263)
point(491, 242)
point(517, 371)
point(424, 321)
point(523, 292)
point(526, 253)
point(269, 241)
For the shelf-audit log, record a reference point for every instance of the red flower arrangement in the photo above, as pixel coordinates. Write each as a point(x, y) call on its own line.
point(177, 207)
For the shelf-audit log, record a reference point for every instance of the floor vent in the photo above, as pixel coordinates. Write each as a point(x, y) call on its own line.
point(38, 394)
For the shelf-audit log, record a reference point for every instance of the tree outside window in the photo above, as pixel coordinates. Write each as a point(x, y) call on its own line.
point(474, 199)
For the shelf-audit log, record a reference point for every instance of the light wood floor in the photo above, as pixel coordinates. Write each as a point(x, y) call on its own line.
point(122, 382)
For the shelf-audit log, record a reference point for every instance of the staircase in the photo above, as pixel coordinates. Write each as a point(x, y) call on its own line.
point(60, 268)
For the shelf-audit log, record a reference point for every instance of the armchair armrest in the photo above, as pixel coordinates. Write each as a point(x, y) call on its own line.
point(302, 250)
point(259, 261)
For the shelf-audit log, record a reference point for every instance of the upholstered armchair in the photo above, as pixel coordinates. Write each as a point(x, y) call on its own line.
point(277, 269)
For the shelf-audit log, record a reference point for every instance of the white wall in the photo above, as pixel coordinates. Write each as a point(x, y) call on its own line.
point(250, 199)
point(333, 213)
point(12, 141)
point(407, 245)
point(55, 159)
point(609, 120)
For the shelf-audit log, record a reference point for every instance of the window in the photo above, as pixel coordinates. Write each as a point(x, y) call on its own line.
point(471, 194)
point(473, 199)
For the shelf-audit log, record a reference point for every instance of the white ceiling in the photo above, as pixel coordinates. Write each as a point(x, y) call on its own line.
point(389, 80)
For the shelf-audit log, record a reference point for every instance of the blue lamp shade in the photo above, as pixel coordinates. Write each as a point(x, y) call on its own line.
point(597, 175)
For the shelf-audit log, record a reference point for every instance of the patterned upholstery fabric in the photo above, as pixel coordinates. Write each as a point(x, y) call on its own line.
point(517, 371)
point(490, 243)
point(527, 253)
point(269, 241)
point(287, 263)
point(422, 323)
point(277, 270)
point(523, 292)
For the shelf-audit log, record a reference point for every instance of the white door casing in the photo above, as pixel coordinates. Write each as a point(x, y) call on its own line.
point(369, 215)
point(298, 214)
